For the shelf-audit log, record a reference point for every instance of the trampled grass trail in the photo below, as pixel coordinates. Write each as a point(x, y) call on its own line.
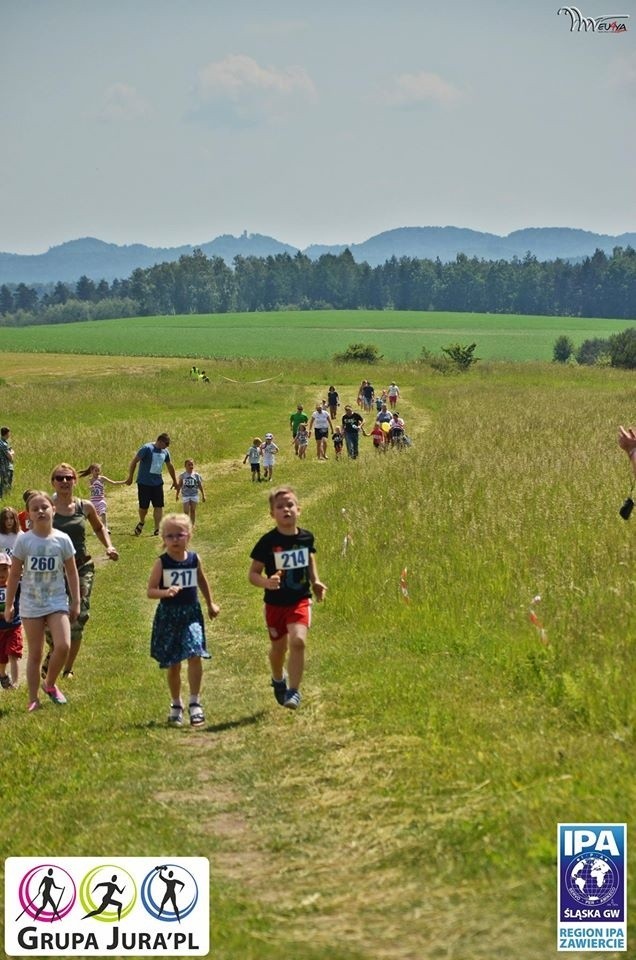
point(408, 810)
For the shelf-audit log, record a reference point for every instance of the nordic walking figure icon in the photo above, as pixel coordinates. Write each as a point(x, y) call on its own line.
point(170, 895)
point(45, 888)
point(108, 900)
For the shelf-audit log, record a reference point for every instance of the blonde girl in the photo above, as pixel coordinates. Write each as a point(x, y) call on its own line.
point(178, 631)
point(45, 559)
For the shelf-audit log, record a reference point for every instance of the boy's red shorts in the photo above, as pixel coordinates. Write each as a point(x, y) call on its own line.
point(279, 618)
point(10, 643)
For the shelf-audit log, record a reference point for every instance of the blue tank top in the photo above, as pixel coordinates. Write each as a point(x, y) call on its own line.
point(180, 573)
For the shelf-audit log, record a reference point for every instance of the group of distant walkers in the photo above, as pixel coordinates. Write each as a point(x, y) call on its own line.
point(388, 429)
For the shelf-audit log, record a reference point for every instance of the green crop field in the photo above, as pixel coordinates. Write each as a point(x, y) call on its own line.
point(312, 335)
point(408, 809)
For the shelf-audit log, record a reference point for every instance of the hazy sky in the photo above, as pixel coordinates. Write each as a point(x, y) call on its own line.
point(173, 121)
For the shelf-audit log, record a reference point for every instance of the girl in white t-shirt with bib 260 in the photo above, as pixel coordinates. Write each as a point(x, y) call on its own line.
point(45, 559)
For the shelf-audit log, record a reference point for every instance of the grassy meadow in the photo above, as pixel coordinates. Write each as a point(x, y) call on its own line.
point(312, 335)
point(408, 810)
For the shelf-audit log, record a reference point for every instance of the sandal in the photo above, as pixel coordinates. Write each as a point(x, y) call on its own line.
point(197, 716)
point(138, 529)
point(175, 717)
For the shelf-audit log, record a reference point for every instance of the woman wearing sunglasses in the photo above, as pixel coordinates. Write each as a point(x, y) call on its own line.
point(71, 515)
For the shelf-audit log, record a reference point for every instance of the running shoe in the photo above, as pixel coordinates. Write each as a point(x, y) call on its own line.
point(34, 705)
point(54, 693)
point(6, 682)
point(292, 699)
point(280, 689)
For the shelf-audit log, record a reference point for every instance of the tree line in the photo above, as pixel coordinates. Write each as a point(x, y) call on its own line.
point(598, 286)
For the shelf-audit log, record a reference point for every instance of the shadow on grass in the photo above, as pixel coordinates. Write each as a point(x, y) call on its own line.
point(210, 727)
point(232, 724)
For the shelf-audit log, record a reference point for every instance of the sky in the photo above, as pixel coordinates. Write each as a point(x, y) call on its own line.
point(170, 122)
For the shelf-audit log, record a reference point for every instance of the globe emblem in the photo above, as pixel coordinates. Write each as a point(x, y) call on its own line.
point(592, 880)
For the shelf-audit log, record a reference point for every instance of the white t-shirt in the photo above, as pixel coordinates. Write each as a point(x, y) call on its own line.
point(7, 542)
point(320, 420)
point(190, 485)
point(270, 450)
point(43, 584)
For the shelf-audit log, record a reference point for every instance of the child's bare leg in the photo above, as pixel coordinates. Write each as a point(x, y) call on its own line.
point(297, 633)
point(193, 512)
point(3, 669)
point(195, 677)
point(34, 629)
point(277, 651)
point(174, 682)
point(14, 668)
point(60, 628)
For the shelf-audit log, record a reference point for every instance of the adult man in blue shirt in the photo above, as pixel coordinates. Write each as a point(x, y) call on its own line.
point(151, 459)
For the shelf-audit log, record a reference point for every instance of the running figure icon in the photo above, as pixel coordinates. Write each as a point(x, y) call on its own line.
point(107, 900)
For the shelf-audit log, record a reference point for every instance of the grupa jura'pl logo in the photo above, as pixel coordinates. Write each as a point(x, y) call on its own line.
point(169, 893)
point(108, 893)
point(46, 893)
point(105, 907)
point(592, 880)
point(613, 23)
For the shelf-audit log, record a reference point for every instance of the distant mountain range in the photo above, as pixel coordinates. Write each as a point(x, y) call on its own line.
point(108, 261)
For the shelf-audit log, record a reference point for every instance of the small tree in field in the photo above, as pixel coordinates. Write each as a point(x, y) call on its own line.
point(593, 351)
point(462, 357)
point(562, 350)
point(359, 353)
point(622, 349)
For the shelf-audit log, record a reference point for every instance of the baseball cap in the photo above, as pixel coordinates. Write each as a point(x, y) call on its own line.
point(5, 559)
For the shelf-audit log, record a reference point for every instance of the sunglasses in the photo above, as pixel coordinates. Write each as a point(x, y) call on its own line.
point(63, 479)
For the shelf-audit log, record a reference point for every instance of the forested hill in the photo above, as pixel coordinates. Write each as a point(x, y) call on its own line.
point(98, 260)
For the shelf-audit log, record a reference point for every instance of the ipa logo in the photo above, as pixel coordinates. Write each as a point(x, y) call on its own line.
point(592, 886)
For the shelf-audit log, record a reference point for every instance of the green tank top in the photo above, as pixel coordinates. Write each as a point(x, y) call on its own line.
point(75, 526)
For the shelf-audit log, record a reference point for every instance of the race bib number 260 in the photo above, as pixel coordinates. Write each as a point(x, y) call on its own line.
point(43, 564)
